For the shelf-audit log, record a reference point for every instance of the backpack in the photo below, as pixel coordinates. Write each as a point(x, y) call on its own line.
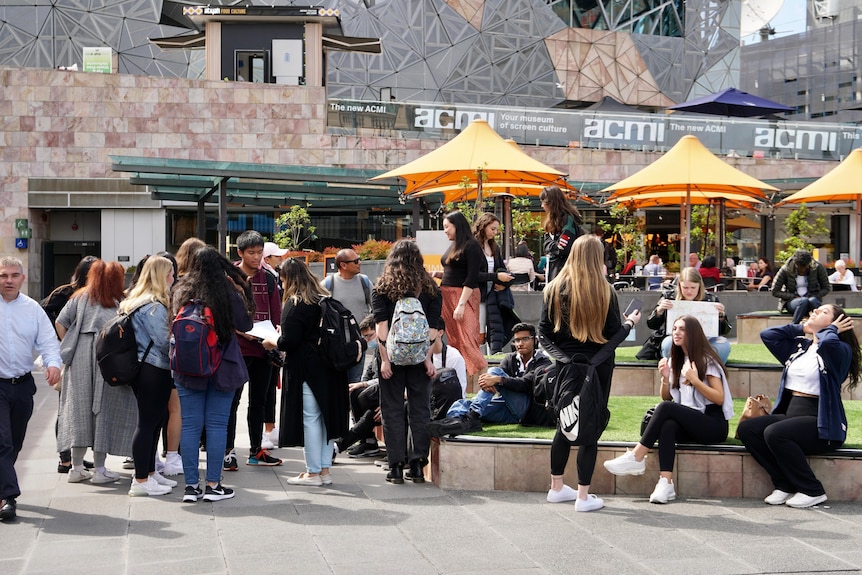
point(573, 394)
point(445, 389)
point(408, 340)
point(195, 349)
point(117, 350)
point(340, 340)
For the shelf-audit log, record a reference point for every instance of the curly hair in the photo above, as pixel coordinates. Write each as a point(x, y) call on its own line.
point(212, 280)
point(404, 273)
point(105, 284)
point(559, 209)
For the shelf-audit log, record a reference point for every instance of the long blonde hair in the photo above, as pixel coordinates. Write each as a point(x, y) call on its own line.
point(152, 285)
point(580, 294)
point(693, 276)
point(300, 285)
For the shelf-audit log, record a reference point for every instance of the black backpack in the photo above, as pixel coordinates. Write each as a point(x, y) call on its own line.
point(340, 340)
point(117, 350)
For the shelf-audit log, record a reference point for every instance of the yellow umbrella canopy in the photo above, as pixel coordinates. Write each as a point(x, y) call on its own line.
point(479, 154)
point(658, 199)
point(842, 184)
point(460, 193)
point(689, 167)
point(686, 169)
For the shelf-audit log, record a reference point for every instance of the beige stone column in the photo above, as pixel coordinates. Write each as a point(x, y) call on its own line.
point(313, 54)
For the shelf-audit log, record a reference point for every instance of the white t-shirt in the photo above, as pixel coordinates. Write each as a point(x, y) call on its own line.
point(803, 373)
point(688, 396)
point(454, 360)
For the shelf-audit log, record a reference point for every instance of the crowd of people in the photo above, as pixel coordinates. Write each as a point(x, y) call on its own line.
point(329, 410)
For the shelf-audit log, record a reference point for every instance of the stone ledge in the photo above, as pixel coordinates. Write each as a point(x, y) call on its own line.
point(643, 379)
point(492, 464)
point(749, 325)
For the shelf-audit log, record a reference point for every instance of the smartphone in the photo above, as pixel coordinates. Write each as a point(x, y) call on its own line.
point(634, 305)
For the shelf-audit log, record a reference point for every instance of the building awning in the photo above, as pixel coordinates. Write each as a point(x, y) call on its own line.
point(352, 43)
point(249, 184)
point(185, 41)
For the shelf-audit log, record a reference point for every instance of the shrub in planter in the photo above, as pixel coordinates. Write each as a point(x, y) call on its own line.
point(373, 249)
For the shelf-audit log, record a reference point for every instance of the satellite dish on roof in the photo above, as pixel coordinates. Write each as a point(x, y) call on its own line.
point(756, 14)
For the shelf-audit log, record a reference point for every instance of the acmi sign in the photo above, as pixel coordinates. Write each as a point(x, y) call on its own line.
point(624, 130)
point(430, 118)
point(825, 141)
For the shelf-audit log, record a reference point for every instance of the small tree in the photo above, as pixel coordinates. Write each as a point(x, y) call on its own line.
point(799, 232)
point(629, 228)
point(704, 220)
point(292, 226)
point(525, 224)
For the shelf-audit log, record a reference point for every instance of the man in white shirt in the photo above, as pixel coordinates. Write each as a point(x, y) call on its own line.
point(353, 289)
point(24, 326)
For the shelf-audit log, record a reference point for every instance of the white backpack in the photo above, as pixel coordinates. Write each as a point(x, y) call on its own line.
point(408, 340)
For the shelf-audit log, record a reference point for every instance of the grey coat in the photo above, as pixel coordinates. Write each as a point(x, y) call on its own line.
point(92, 413)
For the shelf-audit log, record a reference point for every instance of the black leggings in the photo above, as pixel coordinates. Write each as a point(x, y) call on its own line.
point(673, 423)
point(259, 370)
point(587, 454)
point(153, 391)
point(781, 442)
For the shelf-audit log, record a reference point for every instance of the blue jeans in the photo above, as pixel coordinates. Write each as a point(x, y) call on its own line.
point(801, 307)
point(208, 408)
point(719, 344)
point(317, 451)
point(505, 407)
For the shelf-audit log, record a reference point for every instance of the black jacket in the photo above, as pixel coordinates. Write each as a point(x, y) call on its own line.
point(526, 383)
point(784, 284)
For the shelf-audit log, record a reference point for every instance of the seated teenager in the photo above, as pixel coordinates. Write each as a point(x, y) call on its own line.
point(697, 405)
point(506, 394)
point(364, 403)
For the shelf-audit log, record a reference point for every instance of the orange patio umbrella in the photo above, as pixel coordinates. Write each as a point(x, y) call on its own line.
point(842, 184)
point(689, 171)
point(480, 157)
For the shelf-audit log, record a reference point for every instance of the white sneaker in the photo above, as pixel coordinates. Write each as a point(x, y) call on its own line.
point(148, 488)
point(663, 492)
point(801, 501)
point(79, 476)
point(273, 436)
point(163, 480)
point(173, 464)
point(107, 476)
point(266, 442)
point(626, 464)
point(591, 503)
point(160, 465)
point(563, 495)
point(778, 497)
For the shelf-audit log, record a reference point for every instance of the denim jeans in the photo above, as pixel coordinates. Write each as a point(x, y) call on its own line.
point(317, 451)
point(719, 344)
point(801, 307)
point(505, 407)
point(354, 374)
point(208, 408)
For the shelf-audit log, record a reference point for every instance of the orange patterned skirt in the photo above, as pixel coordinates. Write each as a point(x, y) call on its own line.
point(464, 335)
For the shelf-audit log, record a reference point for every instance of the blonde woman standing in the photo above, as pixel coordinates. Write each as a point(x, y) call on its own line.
point(579, 316)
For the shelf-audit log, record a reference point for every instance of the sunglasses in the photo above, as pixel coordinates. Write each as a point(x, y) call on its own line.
point(356, 261)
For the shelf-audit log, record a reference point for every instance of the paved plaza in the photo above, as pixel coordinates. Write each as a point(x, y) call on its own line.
point(362, 525)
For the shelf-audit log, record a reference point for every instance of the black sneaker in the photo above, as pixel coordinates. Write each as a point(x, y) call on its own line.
point(263, 458)
point(230, 461)
point(459, 425)
point(217, 493)
point(192, 494)
point(364, 449)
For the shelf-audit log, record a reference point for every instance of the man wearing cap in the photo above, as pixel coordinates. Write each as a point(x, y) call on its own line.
point(23, 327)
point(800, 284)
point(272, 258)
point(353, 289)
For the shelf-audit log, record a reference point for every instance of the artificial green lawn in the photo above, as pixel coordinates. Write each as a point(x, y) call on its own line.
point(740, 353)
point(627, 412)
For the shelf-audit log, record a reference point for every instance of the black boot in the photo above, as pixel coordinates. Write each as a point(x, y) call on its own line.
point(396, 474)
point(415, 473)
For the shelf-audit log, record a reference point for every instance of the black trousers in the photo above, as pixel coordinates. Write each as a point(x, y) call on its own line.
point(363, 404)
point(259, 382)
point(153, 392)
point(780, 443)
point(16, 407)
point(673, 423)
point(416, 382)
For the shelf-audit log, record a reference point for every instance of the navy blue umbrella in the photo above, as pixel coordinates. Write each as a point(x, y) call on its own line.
point(732, 102)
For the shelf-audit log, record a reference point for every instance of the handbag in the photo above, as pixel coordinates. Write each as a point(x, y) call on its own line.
point(647, 417)
point(754, 407)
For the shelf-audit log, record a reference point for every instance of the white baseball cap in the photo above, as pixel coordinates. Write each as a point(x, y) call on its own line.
point(272, 249)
